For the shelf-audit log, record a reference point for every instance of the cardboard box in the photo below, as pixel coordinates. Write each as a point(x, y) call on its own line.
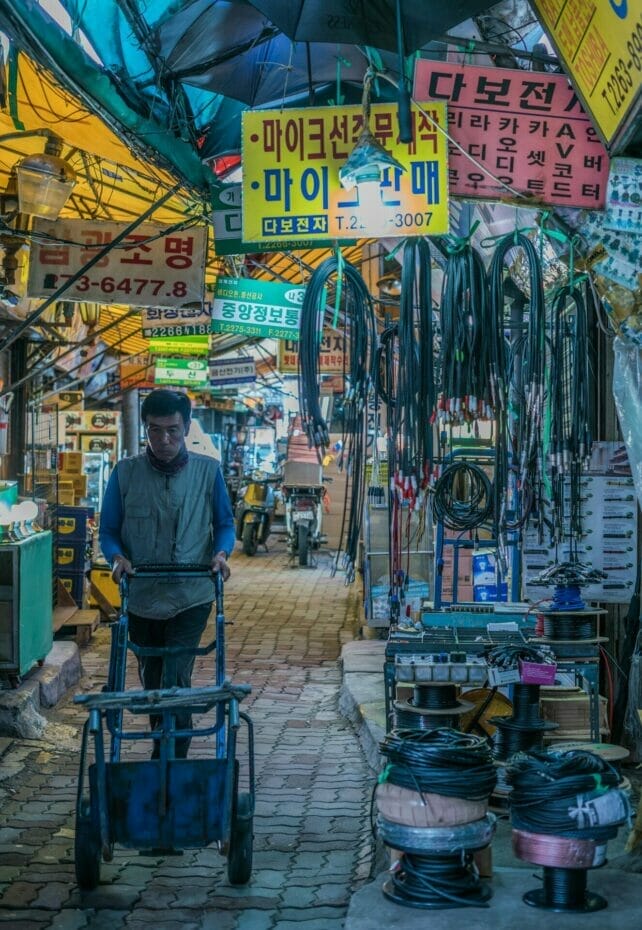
point(70, 462)
point(73, 583)
point(72, 524)
point(77, 482)
point(66, 496)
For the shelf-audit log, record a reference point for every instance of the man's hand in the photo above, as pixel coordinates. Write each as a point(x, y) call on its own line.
point(120, 566)
point(219, 564)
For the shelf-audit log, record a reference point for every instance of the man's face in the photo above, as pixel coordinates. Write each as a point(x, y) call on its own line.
point(166, 435)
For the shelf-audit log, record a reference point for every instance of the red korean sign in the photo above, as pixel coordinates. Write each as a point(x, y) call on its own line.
point(146, 269)
point(333, 354)
point(528, 129)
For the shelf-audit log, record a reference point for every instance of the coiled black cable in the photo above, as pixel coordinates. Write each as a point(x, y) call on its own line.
point(462, 496)
point(509, 656)
point(443, 761)
point(555, 793)
point(437, 882)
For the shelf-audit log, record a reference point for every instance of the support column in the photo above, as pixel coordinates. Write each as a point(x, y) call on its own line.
point(131, 422)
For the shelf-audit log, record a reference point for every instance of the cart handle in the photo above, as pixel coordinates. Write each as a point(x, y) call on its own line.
point(173, 569)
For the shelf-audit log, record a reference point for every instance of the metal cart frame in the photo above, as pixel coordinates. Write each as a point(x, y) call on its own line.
point(163, 804)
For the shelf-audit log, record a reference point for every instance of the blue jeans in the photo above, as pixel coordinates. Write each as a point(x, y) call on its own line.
point(183, 630)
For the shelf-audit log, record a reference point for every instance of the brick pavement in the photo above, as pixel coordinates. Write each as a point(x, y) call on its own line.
point(312, 845)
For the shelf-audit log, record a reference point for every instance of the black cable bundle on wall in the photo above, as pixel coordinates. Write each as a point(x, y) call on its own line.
point(359, 326)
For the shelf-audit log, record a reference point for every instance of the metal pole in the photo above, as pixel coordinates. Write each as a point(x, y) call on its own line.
point(31, 319)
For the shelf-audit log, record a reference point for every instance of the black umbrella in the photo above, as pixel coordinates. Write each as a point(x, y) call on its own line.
point(368, 22)
point(229, 48)
point(396, 25)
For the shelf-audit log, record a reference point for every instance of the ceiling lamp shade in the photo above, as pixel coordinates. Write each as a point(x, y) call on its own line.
point(45, 181)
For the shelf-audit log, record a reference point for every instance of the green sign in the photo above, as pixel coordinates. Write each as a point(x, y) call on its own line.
point(180, 345)
point(228, 232)
point(264, 309)
point(191, 372)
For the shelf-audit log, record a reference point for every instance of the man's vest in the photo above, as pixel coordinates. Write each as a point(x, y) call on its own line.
point(167, 518)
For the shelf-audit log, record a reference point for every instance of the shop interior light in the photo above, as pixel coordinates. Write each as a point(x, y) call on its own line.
point(365, 168)
point(45, 181)
point(89, 314)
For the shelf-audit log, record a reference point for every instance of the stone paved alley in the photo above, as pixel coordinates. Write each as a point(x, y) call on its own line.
point(312, 844)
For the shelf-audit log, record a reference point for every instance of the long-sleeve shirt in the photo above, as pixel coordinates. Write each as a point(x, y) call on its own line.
point(111, 519)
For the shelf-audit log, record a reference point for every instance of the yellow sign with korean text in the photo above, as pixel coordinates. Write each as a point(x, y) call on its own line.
point(291, 162)
point(333, 354)
point(600, 44)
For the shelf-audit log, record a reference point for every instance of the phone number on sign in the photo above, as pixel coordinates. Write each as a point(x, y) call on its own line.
point(397, 221)
point(193, 329)
point(621, 80)
point(146, 287)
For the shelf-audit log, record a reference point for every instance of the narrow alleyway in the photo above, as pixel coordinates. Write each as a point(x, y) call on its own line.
point(312, 840)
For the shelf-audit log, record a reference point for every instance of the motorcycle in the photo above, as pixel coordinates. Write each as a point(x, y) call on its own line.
point(254, 511)
point(303, 491)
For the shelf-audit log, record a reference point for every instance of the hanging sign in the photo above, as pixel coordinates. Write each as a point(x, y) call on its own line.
point(600, 45)
point(180, 345)
point(291, 162)
point(136, 372)
point(266, 309)
point(224, 371)
point(190, 372)
point(228, 228)
point(189, 320)
point(333, 356)
point(146, 268)
point(528, 129)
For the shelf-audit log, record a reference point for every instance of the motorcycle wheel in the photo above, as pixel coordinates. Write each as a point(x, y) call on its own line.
point(302, 543)
point(249, 539)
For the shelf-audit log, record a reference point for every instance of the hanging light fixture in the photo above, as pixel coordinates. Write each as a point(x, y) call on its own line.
point(365, 168)
point(390, 285)
point(89, 314)
point(45, 181)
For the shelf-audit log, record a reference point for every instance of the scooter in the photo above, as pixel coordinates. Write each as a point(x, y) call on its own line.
point(255, 510)
point(303, 491)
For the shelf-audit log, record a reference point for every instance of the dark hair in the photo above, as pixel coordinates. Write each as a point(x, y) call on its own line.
point(163, 403)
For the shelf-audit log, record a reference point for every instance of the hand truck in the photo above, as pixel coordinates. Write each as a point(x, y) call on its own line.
point(165, 804)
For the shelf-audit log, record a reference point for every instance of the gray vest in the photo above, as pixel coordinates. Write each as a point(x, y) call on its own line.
point(167, 518)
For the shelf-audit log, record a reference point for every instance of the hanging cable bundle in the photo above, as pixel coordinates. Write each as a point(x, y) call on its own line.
point(520, 429)
point(442, 761)
point(462, 496)
point(564, 808)
point(570, 436)
point(358, 314)
point(466, 337)
point(407, 365)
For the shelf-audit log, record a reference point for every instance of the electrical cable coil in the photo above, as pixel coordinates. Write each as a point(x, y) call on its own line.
point(434, 882)
point(563, 851)
point(572, 794)
point(462, 496)
point(444, 761)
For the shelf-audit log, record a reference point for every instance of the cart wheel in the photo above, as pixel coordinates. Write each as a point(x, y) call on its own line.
point(239, 860)
point(86, 850)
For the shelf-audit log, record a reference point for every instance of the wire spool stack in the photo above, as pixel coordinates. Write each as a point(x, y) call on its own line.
point(564, 809)
point(432, 801)
point(433, 704)
point(525, 728)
